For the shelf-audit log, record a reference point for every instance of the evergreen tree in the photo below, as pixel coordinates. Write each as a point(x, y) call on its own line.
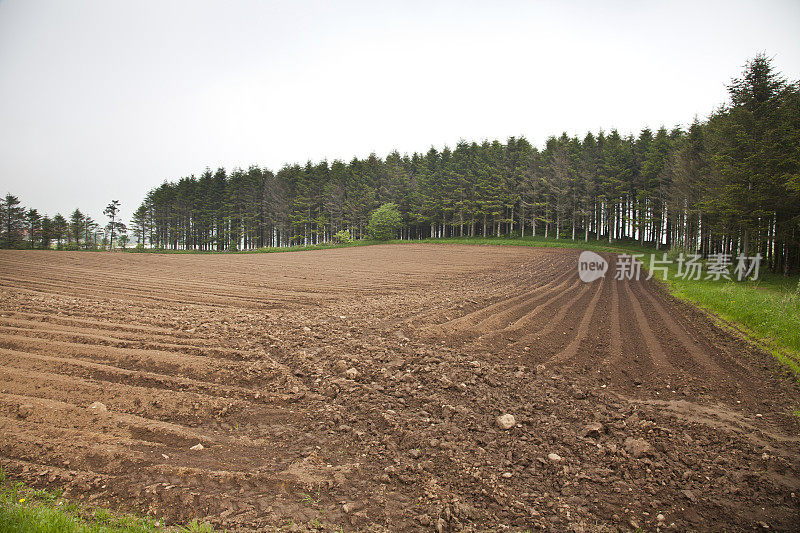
point(47, 232)
point(12, 221)
point(33, 227)
point(77, 221)
point(60, 229)
point(114, 225)
point(139, 223)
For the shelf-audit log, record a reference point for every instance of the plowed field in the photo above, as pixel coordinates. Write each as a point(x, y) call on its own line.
point(359, 389)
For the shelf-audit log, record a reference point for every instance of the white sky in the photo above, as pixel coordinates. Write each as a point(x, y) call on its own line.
point(103, 100)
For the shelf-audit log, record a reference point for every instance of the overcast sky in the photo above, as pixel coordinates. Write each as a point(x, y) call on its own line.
point(103, 100)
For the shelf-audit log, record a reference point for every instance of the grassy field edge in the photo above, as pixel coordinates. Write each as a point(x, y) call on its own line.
point(26, 510)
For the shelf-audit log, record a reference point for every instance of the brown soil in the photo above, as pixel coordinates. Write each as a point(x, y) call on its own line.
point(249, 356)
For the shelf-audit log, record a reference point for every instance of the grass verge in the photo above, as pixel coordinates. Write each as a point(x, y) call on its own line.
point(27, 510)
point(766, 310)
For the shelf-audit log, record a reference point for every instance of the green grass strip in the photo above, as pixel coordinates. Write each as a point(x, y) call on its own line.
point(27, 510)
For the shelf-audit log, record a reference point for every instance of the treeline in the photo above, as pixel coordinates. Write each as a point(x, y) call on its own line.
point(728, 184)
point(26, 228)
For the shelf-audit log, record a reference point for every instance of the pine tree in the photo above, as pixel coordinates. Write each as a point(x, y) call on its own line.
point(752, 159)
point(47, 232)
point(114, 225)
point(60, 229)
point(12, 223)
point(33, 227)
point(77, 222)
point(139, 223)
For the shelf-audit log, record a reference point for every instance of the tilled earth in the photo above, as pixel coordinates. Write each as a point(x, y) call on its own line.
point(359, 389)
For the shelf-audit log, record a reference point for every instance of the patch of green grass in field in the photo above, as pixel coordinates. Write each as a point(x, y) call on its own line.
point(27, 510)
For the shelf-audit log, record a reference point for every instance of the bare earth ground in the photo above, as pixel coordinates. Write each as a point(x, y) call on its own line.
point(652, 408)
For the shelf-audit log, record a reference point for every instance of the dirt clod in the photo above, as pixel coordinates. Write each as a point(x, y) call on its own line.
point(98, 407)
point(592, 430)
point(637, 447)
point(506, 421)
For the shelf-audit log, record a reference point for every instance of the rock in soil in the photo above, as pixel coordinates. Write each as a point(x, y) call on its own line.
point(506, 421)
point(98, 406)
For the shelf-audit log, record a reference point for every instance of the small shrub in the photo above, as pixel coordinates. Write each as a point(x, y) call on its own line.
point(385, 222)
point(343, 237)
point(673, 253)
